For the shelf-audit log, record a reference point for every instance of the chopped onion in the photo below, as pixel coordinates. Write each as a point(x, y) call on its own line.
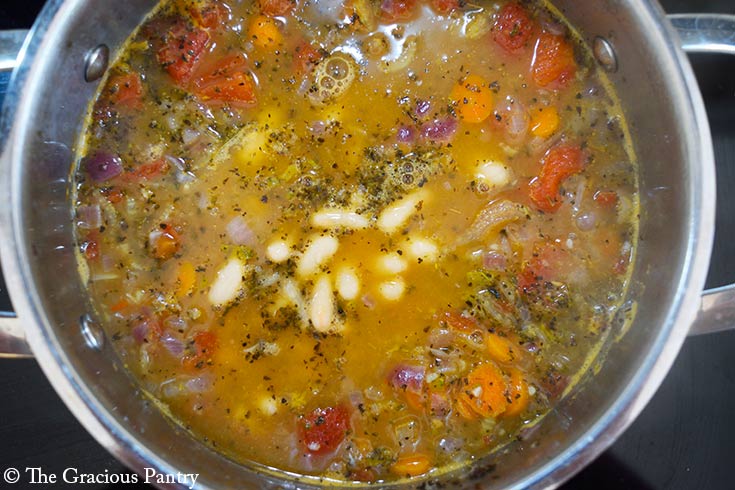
point(495, 261)
point(102, 166)
point(586, 221)
point(239, 232)
point(423, 107)
point(440, 130)
point(189, 135)
point(173, 344)
point(406, 134)
point(407, 377)
point(89, 217)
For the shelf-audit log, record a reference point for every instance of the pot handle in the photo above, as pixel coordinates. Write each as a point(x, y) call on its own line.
point(710, 33)
point(12, 337)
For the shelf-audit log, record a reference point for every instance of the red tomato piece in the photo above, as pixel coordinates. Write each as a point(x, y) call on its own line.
point(91, 246)
point(324, 429)
point(513, 28)
point(606, 199)
point(228, 82)
point(147, 171)
point(558, 164)
point(211, 14)
point(275, 8)
point(113, 194)
point(204, 346)
point(397, 10)
point(553, 61)
point(466, 324)
point(547, 264)
point(444, 7)
point(183, 46)
point(306, 56)
point(126, 90)
point(166, 243)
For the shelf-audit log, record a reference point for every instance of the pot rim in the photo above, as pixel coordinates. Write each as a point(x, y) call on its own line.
point(620, 414)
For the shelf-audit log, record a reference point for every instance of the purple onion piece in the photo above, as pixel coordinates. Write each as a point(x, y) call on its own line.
point(89, 217)
point(406, 134)
point(423, 107)
point(494, 261)
point(173, 345)
point(440, 130)
point(407, 377)
point(102, 166)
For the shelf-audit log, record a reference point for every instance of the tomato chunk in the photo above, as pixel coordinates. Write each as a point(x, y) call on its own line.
point(211, 14)
point(165, 242)
point(397, 10)
point(126, 90)
point(147, 171)
point(513, 28)
point(183, 46)
point(204, 346)
point(306, 56)
point(277, 7)
point(444, 7)
point(553, 61)
point(558, 164)
point(324, 429)
point(228, 82)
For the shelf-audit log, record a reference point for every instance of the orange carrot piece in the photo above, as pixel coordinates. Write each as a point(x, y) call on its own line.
point(485, 390)
point(544, 122)
point(501, 349)
point(517, 394)
point(473, 99)
point(186, 279)
point(264, 33)
point(411, 465)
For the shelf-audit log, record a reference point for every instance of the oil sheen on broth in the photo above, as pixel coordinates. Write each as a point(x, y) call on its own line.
point(363, 240)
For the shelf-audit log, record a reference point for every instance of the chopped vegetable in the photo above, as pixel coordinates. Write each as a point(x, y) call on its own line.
point(554, 64)
point(324, 429)
point(545, 122)
point(513, 27)
point(183, 46)
point(264, 33)
point(472, 98)
point(559, 163)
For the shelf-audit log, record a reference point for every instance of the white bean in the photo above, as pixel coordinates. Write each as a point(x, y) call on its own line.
point(337, 218)
point(392, 264)
point(392, 290)
point(228, 283)
point(321, 309)
point(395, 216)
point(423, 249)
point(494, 174)
point(278, 251)
point(321, 249)
point(348, 284)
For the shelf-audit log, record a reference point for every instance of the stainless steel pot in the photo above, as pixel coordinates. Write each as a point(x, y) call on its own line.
point(632, 39)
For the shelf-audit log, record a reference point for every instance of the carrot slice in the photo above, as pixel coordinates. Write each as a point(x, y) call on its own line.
point(484, 390)
point(472, 98)
point(264, 33)
point(411, 465)
point(544, 122)
point(500, 348)
point(186, 278)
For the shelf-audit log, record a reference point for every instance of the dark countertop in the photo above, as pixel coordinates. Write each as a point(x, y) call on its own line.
point(684, 439)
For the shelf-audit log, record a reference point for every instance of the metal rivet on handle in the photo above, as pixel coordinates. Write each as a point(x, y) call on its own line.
point(92, 333)
point(605, 54)
point(95, 62)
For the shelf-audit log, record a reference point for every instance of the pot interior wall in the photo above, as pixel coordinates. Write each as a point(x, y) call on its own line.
point(54, 118)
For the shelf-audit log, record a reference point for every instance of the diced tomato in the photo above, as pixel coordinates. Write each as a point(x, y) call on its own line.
point(457, 321)
point(211, 14)
point(183, 46)
point(91, 246)
point(549, 263)
point(204, 346)
point(397, 10)
point(444, 7)
point(228, 82)
point(513, 28)
point(120, 306)
point(553, 61)
point(324, 429)
point(125, 90)
point(147, 171)
point(606, 199)
point(277, 7)
point(559, 163)
point(306, 56)
point(166, 243)
point(113, 194)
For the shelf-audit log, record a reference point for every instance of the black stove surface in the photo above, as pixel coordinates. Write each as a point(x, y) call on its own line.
point(684, 439)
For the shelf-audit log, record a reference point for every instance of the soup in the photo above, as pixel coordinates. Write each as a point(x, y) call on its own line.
point(365, 241)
